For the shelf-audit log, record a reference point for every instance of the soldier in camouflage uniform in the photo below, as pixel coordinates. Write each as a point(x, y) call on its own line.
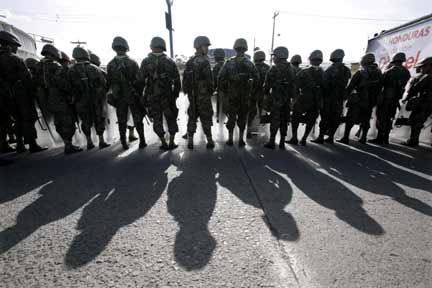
point(198, 85)
point(395, 78)
point(161, 78)
point(219, 55)
point(122, 80)
point(296, 60)
point(17, 97)
point(257, 97)
point(367, 82)
point(420, 99)
point(241, 77)
point(89, 89)
point(336, 78)
point(280, 88)
point(309, 101)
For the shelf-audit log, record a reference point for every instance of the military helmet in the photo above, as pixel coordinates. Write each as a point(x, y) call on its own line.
point(424, 62)
point(281, 52)
point(337, 54)
point(219, 53)
point(158, 42)
point(6, 37)
point(399, 57)
point(316, 55)
point(259, 56)
point(241, 43)
point(201, 41)
point(80, 53)
point(49, 49)
point(95, 59)
point(368, 58)
point(296, 59)
point(64, 56)
point(120, 42)
point(31, 63)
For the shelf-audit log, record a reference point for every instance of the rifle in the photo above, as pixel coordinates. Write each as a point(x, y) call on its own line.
point(44, 118)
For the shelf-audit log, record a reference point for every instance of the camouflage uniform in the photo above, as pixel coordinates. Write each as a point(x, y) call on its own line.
point(336, 78)
point(309, 101)
point(60, 98)
point(198, 85)
point(395, 79)
point(421, 87)
point(88, 86)
point(162, 87)
point(122, 80)
point(222, 101)
point(240, 76)
point(367, 82)
point(281, 81)
point(257, 96)
point(17, 99)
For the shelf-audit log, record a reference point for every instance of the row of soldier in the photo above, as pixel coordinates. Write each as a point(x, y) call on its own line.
point(243, 88)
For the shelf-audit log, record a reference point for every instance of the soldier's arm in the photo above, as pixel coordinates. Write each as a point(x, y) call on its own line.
point(208, 76)
point(177, 82)
point(354, 82)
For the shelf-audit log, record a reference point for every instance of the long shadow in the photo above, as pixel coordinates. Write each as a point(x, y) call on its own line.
point(266, 190)
point(62, 191)
point(371, 174)
point(136, 184)
point(324, 190)
point(191, 201)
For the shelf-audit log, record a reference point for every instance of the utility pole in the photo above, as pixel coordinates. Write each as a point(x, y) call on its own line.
point(168, 20)
point(276, 13)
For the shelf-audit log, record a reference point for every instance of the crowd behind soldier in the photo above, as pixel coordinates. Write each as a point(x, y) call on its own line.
point(78, 93)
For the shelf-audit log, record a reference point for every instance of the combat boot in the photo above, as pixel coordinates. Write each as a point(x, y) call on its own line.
point(90, 144)
point(164, 146)
point(293, 141)
point(141, 136)
point(20, 147)
point(303, 141)
point(210, 143)
point(271, 144)
point(230, 141)
point(132, 137)
point(102, 143)
point(319, 140)
point(241, 143)
point(190, 141)
point(282, 143)
point(124, 143)
point(71, 149)
point(35, 148)
point(172, 144)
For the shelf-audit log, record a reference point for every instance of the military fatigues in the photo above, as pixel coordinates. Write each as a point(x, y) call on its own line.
point(198, 85)
point(394, 81)
point(161, 78)
point(52, 79)
point(257, 96)
point(336, 78)
point(422, 88)
point(306, 108)
point(367, 83)
point(89, 86)
point(281, 81)
point(241, 77)
point(221, 100)
point(122, 79)
point(16, 98)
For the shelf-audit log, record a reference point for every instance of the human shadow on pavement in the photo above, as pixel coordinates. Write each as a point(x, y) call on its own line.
point(324, 190)
point(371, 174)
point(191, 201)
point(62, 191)
point(135, 185)
point(263, 189)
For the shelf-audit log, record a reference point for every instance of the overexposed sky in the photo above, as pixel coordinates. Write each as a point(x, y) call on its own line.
point(303, 26)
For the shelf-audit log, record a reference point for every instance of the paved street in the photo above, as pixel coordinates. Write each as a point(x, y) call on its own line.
point(315, 216)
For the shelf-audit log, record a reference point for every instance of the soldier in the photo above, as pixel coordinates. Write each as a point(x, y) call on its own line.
point(256, 101)
point(367, 82)
point(240, 77)
point(122, 80)
point(89, 86)
point(17, 95)
point(420, 99)
point(296, 60)
point(281, 81)
point(162, 83)
point(198, 85)
point(336, 78)
point(309, 101)
point(219, 55)
point(395, 78)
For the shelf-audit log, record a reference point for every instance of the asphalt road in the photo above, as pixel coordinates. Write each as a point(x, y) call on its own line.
point(315, 216)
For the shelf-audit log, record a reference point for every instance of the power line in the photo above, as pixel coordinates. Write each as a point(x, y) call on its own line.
point(344, 17)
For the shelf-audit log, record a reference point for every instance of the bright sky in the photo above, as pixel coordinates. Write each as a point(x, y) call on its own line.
point(98, 21)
